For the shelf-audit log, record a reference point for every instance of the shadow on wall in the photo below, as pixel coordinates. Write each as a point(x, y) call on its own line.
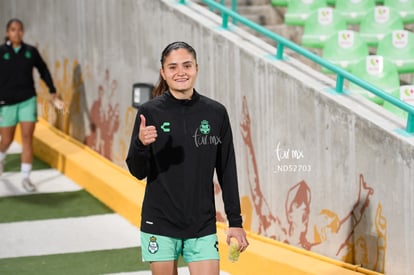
point(370, 234)
point(78, 108)
point(69, 81)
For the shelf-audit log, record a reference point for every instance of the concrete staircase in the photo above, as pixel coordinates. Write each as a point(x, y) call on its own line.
point(263, 13)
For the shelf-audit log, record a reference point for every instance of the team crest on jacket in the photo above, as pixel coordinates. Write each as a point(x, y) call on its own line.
point(6, 56)
point(204, 127)
point(153, 245)
point(202, 137)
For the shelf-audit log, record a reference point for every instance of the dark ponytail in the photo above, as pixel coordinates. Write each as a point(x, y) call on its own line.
point(162, 86)
point(11, 21)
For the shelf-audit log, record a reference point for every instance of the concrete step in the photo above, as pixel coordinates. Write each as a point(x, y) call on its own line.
point(293, 33)
point(259, 11)
point(266, 13)
point(241, 2)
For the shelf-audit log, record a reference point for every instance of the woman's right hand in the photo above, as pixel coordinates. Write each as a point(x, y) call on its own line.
point(147, 134)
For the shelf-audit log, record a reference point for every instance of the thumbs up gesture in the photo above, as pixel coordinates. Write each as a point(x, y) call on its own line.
point(147, 134)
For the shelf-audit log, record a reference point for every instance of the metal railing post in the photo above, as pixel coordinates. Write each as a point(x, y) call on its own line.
point(339, 84)
point(279, 53)
point(234, 8)
point(225, 23)
point(410, 123)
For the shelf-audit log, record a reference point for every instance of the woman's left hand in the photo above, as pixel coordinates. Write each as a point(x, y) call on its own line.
point(239, 234)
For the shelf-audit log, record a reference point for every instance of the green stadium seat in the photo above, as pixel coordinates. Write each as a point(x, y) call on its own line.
point(398, 47)
point(331, 2)
point(299, 10)
point(280, 3)
point(379, 2)
point(377, 71)
point(404, 7)
point(406, 94)
point(378, 22)
point(320, 25)
point(354, 10)
point(344, 49)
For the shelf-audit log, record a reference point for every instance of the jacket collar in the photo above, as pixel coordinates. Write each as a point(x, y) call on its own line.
point(194, 98)
point(10, 46)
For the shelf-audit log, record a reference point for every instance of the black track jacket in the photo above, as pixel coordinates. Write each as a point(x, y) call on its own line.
point(16, 73)
point(194, 138)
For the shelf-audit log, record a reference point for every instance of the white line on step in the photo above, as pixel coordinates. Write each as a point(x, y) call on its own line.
point(66, 235)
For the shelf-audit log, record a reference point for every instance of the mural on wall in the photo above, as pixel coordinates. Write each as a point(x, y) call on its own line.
point(381, 241)
point(336, 236)
point(70, 85)
point(104, 118)
point(119, 153)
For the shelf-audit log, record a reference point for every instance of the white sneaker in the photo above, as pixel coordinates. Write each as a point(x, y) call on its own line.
point(28, 185)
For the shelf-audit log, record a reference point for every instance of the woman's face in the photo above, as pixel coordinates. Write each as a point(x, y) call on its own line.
point(15, 33)
point(180, 71)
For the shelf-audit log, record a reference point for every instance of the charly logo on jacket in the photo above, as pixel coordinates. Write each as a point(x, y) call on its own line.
point(153, 245)
point(166, 127)
point(6, 56)
point(202, 137)
point(28, 54)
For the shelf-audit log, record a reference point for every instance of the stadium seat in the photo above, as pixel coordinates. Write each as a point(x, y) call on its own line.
point(377, 71)
point(299, 10)
point(404, 7)
point(398, 47)
point(320, 25)
point(344, 49)
point(354, 10)
point(406, 94)
point(280, 3)
point(331, 2)
point(378, 22)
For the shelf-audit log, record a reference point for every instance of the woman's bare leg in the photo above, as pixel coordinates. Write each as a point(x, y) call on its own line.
point(7, 136)
point(27, 130)
point(207, 267)
point(164, 268)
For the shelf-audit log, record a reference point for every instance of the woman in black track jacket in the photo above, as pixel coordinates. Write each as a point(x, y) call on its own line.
point(18, 96)
point(179, 139)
